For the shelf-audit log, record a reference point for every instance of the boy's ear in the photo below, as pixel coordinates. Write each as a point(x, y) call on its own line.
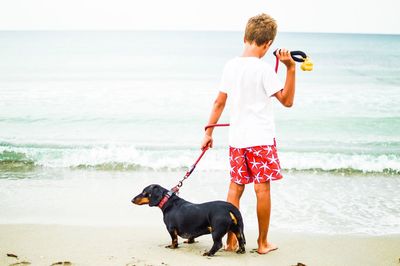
point(268, 44)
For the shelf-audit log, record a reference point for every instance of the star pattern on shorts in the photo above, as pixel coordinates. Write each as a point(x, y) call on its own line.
point(258, 177)
point(257, 153)
point(265, 166)
point(272, 159)
point(278, 171)
point(268, 149)
point(233, 169)
point(254, 163)
point(235, 150)
point(240, 171)
point(270, 177)
point(238, 157)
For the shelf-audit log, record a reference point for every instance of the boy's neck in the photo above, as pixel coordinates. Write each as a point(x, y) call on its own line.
point(253, 50)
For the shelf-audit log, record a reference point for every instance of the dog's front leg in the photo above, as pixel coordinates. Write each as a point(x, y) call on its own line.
point(174, 236)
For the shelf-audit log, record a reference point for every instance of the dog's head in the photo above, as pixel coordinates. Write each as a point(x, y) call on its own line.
point(151, 195)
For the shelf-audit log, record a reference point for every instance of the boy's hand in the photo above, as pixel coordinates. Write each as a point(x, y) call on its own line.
point(207, 142)
point(285, 57)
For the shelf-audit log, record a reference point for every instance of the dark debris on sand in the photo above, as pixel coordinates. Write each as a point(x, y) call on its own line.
point(63, 263)
point(20, 263)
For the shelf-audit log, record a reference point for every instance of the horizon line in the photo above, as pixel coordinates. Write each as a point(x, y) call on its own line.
point(188, 30)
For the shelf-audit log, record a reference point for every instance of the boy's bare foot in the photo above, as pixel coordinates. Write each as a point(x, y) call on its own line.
point(264, 249)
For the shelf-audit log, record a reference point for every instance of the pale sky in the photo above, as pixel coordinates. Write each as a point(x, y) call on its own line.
point(355, 16)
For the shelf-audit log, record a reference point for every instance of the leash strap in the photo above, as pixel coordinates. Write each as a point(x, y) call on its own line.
point(215, 125)
point(191, 169)
point(276, 64)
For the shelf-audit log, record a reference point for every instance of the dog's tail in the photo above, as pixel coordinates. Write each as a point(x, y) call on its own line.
point(237, 221)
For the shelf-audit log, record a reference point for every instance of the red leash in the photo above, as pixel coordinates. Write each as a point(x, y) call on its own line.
point(215, 125)
point(176, 188)
point(276, 64)
point(190, 171)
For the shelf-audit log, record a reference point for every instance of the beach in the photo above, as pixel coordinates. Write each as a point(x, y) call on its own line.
point(86, 218)
point(83, 245)
point(90, 118)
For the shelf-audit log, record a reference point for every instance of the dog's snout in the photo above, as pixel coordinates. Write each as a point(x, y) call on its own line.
point(140, 200)
point(135, 199)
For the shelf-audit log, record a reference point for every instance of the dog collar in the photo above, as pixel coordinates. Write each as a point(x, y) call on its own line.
point(165, 199)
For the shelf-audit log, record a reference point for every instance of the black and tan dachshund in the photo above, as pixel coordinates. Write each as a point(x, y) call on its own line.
point(189, 220)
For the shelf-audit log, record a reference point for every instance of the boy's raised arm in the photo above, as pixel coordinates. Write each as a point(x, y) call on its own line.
point(286, 95)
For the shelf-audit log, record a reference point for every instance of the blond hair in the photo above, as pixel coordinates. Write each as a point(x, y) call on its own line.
point(260, 29)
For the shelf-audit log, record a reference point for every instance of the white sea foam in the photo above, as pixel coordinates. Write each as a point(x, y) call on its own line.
point(129, 157)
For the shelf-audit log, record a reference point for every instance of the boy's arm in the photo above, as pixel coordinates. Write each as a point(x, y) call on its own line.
point(216, 112)
point(286, 95)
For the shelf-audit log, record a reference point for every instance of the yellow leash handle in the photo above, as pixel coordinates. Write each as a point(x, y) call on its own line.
point(307, 65)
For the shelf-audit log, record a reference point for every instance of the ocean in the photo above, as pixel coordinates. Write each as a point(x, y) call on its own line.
point(94, 116)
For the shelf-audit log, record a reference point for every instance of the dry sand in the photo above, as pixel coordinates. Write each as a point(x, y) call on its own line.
point(84, 245)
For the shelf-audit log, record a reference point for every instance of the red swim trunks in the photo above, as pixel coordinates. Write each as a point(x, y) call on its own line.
point(256, 164)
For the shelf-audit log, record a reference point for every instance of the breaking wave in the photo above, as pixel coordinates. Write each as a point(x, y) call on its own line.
point(175, 158)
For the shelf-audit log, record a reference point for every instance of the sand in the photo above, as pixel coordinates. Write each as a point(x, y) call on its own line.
point(88, 245)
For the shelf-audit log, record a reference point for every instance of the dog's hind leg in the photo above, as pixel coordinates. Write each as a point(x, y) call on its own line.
point(217, 238)
point(242, 243)
point(174, 236)
point(238, 231)
point(236, 227)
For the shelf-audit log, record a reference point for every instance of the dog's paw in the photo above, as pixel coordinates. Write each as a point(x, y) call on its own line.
point(208, 254)
point(172, 246)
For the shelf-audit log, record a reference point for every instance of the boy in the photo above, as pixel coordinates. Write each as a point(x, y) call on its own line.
point(250, 83)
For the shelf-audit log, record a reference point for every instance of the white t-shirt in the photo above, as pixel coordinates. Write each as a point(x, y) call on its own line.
point(249, 83)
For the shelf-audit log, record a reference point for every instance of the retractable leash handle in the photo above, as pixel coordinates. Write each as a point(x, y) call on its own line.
point(300, 57)
point(295, 54)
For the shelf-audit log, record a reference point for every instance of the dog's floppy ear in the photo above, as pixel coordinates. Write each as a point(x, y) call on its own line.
point(155, 196)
